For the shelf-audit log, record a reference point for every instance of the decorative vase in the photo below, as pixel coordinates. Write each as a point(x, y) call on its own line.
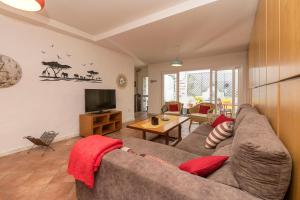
point(154, 121)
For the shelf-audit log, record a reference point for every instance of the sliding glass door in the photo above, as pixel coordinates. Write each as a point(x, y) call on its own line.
point(236, 91)
point(145, 95)
point(220, 87)
point(194, 86)
point(226, 87)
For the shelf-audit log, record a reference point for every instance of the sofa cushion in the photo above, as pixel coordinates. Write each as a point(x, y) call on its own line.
point(225, 174)
point(204, 109)
point(220, 133)
point(203, 129)
point(172, 155)
point(241, 107)
point(224, 143)
point(242, 113)
point(224, 151)
point(173, 107)
point(198, 115)
point(260, 162)
point(203, 166)
point(194, 143)
point(220, 120)
point(159, 160)
point(172, 113)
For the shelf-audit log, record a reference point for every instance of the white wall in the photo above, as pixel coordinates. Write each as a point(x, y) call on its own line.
point(155, 72)
point(33, 106)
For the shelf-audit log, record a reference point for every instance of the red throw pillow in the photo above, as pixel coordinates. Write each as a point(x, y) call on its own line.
point(204, 109)
point(173, 107)
point(220, 120)
point(203, 166)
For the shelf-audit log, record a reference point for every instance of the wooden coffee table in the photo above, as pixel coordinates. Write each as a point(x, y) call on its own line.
point(162, 129)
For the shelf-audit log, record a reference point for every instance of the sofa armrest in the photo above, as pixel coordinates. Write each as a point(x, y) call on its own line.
point(130, 177)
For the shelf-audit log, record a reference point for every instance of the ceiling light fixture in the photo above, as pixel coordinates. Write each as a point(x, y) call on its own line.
point(177, 63)
point(26, 5)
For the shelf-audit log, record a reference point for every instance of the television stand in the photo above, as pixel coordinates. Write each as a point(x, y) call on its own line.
point(101, 124)
point(100, 112)
point(104, 111)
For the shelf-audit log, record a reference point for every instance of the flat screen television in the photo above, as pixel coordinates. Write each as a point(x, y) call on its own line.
point(98, 100)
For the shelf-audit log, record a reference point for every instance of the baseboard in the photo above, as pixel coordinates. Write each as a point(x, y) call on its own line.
point(57, 139)
point(16, 150)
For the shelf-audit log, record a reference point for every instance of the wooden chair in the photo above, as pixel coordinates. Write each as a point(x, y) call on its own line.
point(227, 105)
point(199, 117)
point(165, 108)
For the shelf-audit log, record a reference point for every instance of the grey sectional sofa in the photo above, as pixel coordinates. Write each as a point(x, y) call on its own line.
point(259, 167)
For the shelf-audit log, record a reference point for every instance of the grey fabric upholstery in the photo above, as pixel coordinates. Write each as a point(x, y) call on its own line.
point(224, 143)
point(172, 155)
point(259, 167)
point(243, 106)
point(189, 144)
point(224, 174)
point(223, 151)
point(260, 162)
point(194, 143)
point(203, 129)
point(242, 114)
point(124, 176)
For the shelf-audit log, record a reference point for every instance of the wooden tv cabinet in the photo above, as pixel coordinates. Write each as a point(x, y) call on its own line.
point(91, 124)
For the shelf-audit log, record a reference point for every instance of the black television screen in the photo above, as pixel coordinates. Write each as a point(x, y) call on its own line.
point(99, 100)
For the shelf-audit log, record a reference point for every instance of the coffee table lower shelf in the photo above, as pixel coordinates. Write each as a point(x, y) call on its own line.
point(163, 129)
point(166, 136)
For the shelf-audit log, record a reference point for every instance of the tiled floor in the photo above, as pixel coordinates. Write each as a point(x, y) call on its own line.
point(30, 176)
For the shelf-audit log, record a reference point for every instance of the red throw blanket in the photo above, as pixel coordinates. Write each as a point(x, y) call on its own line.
point(86, 156)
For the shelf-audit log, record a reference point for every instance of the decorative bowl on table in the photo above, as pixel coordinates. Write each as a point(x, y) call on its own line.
point(164, 118)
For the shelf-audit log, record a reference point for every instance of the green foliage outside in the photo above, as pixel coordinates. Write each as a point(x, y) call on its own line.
point(198, 99)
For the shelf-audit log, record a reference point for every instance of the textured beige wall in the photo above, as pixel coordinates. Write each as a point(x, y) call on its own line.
point(155, 72)
point(33, 106)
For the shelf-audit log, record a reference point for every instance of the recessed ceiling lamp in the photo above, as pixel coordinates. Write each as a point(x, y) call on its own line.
point(176, 63)
point(26, 5)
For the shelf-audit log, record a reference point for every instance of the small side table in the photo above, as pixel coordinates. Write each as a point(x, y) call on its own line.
point(186, 109)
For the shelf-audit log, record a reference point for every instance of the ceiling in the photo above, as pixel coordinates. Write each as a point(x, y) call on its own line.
point(152, 31)
point(97, 16)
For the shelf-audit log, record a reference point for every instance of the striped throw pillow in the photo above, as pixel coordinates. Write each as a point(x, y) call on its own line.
point(220, 133)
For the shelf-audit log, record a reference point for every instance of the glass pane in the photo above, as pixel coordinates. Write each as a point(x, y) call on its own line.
point(170, 87)
point(236, 89)
point(194, 86)
point(213, 89)
point(145, 85)
point(224, 91)
point(144, 103)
